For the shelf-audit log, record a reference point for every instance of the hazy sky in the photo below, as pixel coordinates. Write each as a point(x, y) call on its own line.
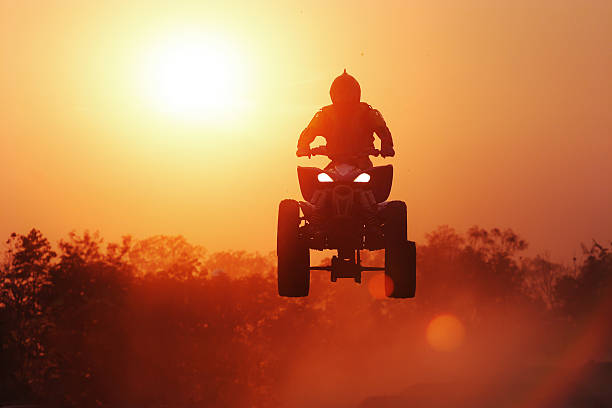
point(500, 111)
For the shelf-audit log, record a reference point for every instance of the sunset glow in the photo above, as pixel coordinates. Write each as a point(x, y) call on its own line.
point(137, 106)
point(158, 244)
point(195, 76)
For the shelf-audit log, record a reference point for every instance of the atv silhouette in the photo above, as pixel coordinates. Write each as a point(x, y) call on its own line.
point(345, 210)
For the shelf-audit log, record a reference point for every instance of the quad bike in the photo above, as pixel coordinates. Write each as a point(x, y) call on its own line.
point(345, 210)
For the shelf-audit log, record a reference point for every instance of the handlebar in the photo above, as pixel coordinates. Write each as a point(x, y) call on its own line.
point(323, 151)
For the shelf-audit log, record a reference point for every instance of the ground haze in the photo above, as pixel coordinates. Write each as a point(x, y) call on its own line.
point(161, 322)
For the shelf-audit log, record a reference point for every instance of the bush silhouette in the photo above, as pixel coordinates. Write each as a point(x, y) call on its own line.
point(160, 322)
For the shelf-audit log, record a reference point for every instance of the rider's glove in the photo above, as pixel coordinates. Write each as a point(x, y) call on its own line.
point(386, 150)
point(302, 151)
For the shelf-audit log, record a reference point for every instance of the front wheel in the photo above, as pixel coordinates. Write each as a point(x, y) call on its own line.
point(292, 252)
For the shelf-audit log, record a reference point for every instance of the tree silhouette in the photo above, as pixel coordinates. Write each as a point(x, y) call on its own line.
point(25, 327)
point(160, 322)
point(172, 256)
point(581, 294)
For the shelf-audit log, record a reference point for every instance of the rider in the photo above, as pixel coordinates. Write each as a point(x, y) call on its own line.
point(347, 125)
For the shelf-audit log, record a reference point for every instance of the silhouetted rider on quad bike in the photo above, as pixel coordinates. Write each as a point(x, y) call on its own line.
point(345, 206)
point(348, 125)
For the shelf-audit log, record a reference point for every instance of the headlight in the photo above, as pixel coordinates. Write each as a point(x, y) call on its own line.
point(362, 178)
point(324, 178)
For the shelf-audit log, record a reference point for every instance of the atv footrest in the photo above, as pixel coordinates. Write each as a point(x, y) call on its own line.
point(372, 268)
point(346, 268)
point(362, 268)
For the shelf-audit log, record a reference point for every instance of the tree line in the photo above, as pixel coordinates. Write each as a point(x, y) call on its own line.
point(163, 323)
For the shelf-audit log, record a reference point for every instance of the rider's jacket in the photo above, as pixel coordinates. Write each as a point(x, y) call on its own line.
point(348, 130)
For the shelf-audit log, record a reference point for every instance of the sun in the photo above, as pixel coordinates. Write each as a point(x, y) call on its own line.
point(195, 76)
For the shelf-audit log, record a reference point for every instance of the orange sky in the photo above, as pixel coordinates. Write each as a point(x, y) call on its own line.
point(500, 113)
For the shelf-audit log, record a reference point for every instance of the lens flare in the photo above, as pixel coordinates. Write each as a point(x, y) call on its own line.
point(445, 333)
point(376, 285)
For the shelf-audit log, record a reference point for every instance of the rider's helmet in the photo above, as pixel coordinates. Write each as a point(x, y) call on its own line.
point(345, 90)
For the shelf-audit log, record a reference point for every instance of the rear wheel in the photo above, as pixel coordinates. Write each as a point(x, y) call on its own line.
point(292, 252)
point(400, 254)
point(400, 270)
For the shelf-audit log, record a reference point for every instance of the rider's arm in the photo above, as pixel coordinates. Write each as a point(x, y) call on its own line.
point(309, 134)
point(384, 134)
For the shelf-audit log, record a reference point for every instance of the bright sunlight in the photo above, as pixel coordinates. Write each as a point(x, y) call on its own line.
point(196, 76)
